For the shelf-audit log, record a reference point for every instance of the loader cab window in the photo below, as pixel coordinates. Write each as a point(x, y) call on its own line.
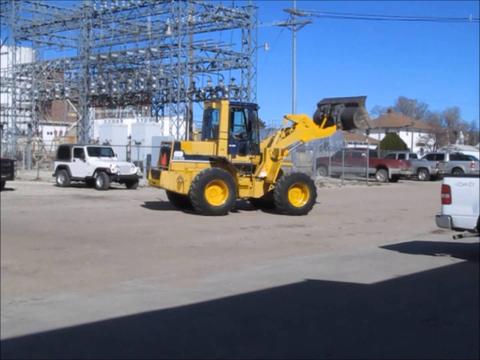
point(211, 121)
point(243, 131)
point(238, 124)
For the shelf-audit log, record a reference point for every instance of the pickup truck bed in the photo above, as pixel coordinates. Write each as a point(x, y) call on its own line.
point(460, 203)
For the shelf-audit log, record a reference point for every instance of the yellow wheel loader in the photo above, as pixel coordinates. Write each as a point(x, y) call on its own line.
point(230, 162)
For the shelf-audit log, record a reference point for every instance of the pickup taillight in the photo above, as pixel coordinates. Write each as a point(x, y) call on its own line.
point(446, 195)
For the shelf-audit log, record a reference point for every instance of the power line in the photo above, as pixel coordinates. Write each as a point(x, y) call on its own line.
point(381, 17)
point(373, 17)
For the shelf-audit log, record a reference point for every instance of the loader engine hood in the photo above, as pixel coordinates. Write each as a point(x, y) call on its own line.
point(348, 113)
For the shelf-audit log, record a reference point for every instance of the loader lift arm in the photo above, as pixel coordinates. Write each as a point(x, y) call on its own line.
point(332, 113)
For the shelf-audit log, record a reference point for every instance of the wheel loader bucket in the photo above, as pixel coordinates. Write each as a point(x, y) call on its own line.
point(348, 113)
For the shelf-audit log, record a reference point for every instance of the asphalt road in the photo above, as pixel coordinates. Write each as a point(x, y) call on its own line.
point(122, 274)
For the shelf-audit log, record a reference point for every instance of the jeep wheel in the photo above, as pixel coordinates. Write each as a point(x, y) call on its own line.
point(102, 181)
point(2, 184)
point(131, 184)
point(295, 194)
point(62, 178)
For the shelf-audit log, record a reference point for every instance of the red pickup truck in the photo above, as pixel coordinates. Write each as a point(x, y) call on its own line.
point(355, 162)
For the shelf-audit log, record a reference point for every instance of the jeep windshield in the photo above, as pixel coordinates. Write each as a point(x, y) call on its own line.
point(98, 151)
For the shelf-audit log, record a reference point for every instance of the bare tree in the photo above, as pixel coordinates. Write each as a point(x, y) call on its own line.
point(378, 110)
point(438, 134)
point(473, 136)
point(413, 108)
point(453, 123)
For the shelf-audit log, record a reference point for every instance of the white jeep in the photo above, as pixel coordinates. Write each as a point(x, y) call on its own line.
point(96, 165)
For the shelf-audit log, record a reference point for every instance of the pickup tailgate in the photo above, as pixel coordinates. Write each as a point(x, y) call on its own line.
point(460, 201)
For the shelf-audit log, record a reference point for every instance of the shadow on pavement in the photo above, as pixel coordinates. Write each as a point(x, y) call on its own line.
point(7, 189)
point(431, 314)
point(459, 250)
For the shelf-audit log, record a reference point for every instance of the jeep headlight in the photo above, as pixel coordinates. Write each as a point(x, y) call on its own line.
point(114, 168)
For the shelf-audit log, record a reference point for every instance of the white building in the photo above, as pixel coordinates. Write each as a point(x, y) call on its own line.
point(133, 134)
point(418, 135)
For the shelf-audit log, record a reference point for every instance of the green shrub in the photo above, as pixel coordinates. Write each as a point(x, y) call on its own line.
point(392, 141)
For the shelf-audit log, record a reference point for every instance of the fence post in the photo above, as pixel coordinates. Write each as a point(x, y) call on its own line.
point(329, 172)
point(368, 158)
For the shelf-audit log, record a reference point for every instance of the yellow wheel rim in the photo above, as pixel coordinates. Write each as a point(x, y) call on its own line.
point(216, 192)
point(298, 194)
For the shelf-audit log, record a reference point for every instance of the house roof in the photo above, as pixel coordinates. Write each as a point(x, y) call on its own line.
point(354, 137)
point(395, 120)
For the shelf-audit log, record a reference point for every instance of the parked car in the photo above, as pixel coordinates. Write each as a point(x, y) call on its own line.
point(95, 165)
point(7, 171)
point(354, 162)
point(423, 170)
point(460, 209)
point(459, 164)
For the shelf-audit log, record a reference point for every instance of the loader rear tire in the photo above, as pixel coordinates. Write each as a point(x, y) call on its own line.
point(213, 192)
point(178, 200)
point(295, 194)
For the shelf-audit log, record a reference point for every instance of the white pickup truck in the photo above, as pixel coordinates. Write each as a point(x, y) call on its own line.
point(460, 204)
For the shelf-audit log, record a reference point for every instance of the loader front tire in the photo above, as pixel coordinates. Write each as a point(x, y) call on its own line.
point(295, 194)
point(213, 192)
point(178, 200)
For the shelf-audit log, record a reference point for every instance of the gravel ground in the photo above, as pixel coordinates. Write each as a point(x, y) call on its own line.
point(122, 273)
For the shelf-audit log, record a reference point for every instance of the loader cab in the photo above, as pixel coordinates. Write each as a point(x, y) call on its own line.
point(241, 130)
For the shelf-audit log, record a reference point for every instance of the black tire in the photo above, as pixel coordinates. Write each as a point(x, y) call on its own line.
point(132, 184)
point(457, 171)
point(102, 181)
point(178, 200)
point(2, 184)
point(322, 171)
point(381, 175)
point(263, 203)
point(303, 188)
point(423, 175)
point(213, 192)
point(62, 178)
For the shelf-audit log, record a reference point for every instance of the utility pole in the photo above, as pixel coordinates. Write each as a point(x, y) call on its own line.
point(294, 59)
point(294, 24)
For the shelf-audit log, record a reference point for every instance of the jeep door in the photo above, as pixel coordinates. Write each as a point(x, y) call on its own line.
point(79, 166)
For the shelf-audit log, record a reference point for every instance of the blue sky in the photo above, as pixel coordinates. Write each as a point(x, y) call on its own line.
point(436, 63)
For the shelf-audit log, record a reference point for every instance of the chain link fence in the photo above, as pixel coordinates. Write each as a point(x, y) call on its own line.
point(322, 159)
point(333, 158)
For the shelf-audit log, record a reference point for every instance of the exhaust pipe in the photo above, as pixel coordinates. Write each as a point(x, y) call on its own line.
point(348, 113)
